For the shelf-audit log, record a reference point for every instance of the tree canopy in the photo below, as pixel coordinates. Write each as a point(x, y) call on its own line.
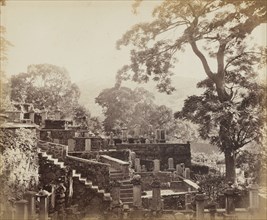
point(136, 110)
point(47, 87)
point(230, 111)
point(215, 30)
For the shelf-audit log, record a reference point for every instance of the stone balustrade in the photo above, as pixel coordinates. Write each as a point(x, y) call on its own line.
point(117, 164)
point(58, 151)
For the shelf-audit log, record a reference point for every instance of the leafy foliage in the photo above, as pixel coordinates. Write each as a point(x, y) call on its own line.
point(45, 86)
point(4, 82)
point(136, 110)
point(229, 112)
point(234, 123)
point(19, 164)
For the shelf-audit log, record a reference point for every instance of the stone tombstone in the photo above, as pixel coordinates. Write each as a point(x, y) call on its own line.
point(156, 168)
point(137, 192)
point(179, 170)
point(156, 203)
point(88, 144)
point(21, 210)
point(187, 173)
point(200, 199)
point(71, 144)
point(170, 164)
point(254, 196)
point(137, 165)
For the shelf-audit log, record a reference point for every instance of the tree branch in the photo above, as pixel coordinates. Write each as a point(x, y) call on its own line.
point(202, 59)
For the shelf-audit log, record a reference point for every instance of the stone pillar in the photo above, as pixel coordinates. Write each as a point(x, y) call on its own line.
point(57, 114)
point(124, 135)
point(137, 165)
point(187, 201)
point(137, 193)
point(156, 166)
point(200, 198)
point(88, 144)
point(187, 173)
point(156, 203)
point(170, 164)
point(179, 170)
point(111, 140)
point(229, 202)
point(43, 206)
point(21, 210)
point(143, 168)
point(132, 157)
point(32, 113)
point(254, 196)
point(30, 196)
point(44, 116)
point(71, 144)
point(115, 193)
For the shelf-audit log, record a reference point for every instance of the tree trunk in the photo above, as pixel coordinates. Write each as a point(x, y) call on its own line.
point(230, 165)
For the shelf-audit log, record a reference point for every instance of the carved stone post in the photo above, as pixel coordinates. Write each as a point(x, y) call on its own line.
point(115, 193)
point(137, 165)
point(253, 199)
point(229, 202)
point(43, 209)
point(156, 203)
point(200, 198)
point(187, 201)
point(137, 193)
point(111, 140)
point(254, 196)
point(30, 196)
point(156, 166)
point(21, 210)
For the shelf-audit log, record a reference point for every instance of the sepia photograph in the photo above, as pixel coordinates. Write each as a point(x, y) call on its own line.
point(133, 109)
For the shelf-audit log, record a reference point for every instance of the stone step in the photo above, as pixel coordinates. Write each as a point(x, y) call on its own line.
point(125, 195)
point(122, 191)
point(127, 199)
point(128, 186)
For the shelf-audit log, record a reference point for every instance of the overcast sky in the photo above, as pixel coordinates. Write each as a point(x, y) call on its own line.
point(80, 36)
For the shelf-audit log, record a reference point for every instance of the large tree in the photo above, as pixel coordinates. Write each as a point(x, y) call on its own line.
point(47, 87)
point(218, 32)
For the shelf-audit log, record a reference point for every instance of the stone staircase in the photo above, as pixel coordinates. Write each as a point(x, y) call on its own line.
point(126, 188)
point(115, 175)
point(126, 193)
point(75, 174)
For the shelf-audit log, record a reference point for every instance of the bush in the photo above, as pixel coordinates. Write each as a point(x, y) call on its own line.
point(19, 163)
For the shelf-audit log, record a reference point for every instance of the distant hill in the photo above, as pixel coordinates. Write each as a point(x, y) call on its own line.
point(91, 87)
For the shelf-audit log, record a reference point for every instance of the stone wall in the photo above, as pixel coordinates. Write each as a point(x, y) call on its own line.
point(162, 151)
point(96, 172)
point(56, 150)
point(59, 134)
